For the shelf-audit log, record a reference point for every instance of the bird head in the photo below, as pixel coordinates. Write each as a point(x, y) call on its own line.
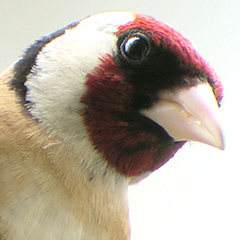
point(133, 89)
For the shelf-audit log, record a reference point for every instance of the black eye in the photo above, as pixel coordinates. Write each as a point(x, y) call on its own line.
point(135, 47)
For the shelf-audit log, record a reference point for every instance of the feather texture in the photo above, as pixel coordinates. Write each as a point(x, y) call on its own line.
point(80, 121)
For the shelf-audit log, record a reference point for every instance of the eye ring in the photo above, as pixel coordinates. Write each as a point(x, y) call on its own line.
point(135, 47)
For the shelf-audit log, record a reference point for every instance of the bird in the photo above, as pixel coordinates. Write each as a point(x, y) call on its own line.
point(91, 109)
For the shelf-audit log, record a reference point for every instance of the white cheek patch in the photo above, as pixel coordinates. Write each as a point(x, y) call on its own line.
point(56, 84)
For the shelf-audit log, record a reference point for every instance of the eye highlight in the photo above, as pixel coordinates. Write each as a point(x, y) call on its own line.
point(135, 47)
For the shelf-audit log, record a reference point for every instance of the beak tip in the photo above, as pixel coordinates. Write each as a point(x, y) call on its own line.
point(222, 145)
point(218, 142)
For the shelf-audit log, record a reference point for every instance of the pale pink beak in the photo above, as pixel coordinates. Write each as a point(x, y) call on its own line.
point(189, 114)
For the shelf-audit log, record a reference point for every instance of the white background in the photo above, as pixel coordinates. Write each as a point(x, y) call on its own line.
point(196, 195)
